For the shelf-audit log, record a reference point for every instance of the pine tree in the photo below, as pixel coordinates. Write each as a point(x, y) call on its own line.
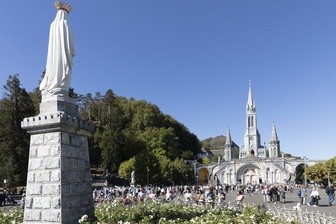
point(14, 145)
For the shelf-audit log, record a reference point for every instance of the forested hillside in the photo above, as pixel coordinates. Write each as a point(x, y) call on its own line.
point(136, 135)
point(129, 135)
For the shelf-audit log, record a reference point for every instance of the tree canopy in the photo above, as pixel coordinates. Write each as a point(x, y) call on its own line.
point(15, 105)
point(136, 135)
point(129, 135)
point(323, 172)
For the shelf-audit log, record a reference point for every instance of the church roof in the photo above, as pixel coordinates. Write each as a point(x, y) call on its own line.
point(206, 151)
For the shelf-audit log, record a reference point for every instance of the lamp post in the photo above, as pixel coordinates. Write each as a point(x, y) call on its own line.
point(305, 174)
point(195, 172)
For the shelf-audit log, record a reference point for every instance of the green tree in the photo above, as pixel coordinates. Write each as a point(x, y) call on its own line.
point(14, 145)
point(146, 163)
point(180, 170)
point(94, 152)
point(127, 128)
point(187, 140)
point(126, 168)
point(323, 172)
point(110, 144)
point(205, 160)
point(161, 138)
point(36, 97)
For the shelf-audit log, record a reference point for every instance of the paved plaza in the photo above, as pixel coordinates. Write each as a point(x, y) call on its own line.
point(291, 200)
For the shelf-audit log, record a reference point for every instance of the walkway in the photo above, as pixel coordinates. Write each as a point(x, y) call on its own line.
point(291, 200)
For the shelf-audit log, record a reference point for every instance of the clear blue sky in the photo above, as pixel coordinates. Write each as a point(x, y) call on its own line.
point(194, 60)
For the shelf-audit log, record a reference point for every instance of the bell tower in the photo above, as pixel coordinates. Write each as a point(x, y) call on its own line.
point(252, 136)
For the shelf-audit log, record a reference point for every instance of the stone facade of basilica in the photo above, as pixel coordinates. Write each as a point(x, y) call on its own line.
point(255, 163)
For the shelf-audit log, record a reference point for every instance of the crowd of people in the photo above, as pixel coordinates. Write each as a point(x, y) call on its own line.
point(212, 194)
point(6, 197)
point(313, 195)
point(188, 194)
point(201, 194)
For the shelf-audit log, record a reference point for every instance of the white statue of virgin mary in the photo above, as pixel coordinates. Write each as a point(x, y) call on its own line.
point(56, 80)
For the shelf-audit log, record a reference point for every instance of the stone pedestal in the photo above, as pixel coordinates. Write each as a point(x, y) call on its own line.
point(59, 188)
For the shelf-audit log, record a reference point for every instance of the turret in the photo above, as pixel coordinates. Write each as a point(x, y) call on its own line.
point(274, 144)
point(228, 146)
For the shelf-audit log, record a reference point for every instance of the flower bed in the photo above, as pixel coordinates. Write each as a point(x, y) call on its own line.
point(152, 213)
point(163, 213)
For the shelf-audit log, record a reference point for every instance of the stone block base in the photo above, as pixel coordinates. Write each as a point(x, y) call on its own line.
point(59, 188)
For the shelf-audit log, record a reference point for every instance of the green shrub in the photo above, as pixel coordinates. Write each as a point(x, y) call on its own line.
point(12, 216)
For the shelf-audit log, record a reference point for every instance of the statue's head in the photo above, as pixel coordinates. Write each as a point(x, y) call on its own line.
point(60, 5)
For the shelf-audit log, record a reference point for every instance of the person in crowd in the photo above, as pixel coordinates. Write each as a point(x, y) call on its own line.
point(314, 197)
point(23, 199)
point(282, 193)
point(152, 194)
point(221, 196)
point(10, 200)
point(211, 194)
point(265, 192)
point(22, 190)
point(240, 198)
point(274, 193)
point(2, 199)
point(187, 195)
point(302, 194)
point(94, 195)
point(199, 197)
point(330, 191)
point(141, 195)
point(169, 195)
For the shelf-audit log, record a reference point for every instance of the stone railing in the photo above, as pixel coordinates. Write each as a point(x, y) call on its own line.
point(300, 215)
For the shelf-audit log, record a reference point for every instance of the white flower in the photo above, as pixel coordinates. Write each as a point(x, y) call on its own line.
point(83, 219)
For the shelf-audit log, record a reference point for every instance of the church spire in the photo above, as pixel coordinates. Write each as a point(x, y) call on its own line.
point(228, 137)
point(274, 135)
point(250, 102)
point(228, 146)
point(274, 144)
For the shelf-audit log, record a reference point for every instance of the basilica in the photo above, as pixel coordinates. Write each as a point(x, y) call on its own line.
point(253, 163)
